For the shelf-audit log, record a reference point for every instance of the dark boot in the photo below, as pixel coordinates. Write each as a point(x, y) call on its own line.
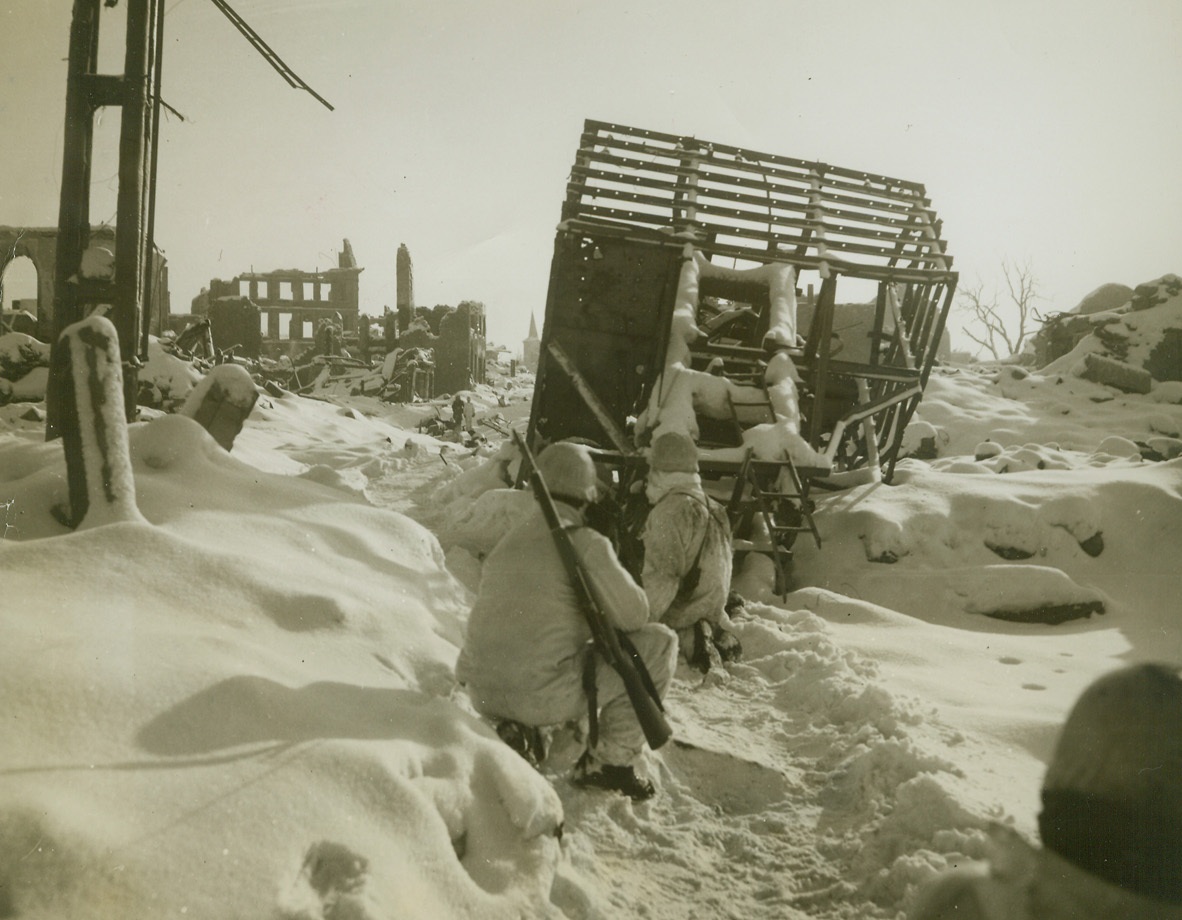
point(591, 774)
point(526, 740)
point(703, 654)
point(735, 604)
point(728, 645)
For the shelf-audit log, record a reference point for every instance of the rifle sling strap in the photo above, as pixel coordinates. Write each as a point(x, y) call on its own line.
point(591, 692)
point(590, 689)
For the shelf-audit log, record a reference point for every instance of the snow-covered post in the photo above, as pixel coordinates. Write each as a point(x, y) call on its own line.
point(221, 402)
point(94, 424)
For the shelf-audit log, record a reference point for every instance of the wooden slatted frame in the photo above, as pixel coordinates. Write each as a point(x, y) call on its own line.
point(728, 202)
point(754, 205)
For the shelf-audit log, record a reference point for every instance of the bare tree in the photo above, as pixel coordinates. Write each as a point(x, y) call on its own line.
point(1002, 328)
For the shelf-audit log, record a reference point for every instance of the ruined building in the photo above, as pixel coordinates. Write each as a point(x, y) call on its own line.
point(405, 280)
point(39, 245)
point(457, 336)
point(278, 312)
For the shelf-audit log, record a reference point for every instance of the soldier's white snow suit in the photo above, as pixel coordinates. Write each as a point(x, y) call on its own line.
point(527, 639)
point(684, 520)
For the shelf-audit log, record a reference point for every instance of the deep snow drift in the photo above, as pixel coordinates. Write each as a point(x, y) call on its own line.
point(246, 706)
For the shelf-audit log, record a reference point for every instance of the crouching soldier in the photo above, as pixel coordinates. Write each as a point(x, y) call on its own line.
point(528, 659)
point(687, 554)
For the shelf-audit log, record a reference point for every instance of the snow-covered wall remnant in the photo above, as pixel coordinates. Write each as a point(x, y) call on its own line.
point(221, 402)
point(102, 488)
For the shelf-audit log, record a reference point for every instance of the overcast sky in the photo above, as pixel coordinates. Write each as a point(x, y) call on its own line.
point(1044, 131)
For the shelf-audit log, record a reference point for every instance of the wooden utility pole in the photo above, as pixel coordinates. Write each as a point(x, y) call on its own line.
point(137, 93)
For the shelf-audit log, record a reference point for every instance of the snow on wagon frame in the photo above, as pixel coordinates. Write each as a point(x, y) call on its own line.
point(675, 297)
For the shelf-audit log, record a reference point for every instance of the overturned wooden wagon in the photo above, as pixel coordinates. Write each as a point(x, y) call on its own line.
point(695, 277)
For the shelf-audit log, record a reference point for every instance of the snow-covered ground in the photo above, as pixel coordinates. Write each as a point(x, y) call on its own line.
point(246, 706)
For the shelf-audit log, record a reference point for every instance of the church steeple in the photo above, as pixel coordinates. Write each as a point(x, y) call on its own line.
point(531, 348)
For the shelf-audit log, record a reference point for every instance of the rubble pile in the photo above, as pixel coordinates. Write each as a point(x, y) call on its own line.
point(24, 368)
point(1128, 347)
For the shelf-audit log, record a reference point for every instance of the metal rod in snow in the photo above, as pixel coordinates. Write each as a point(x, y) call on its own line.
point(268, 54)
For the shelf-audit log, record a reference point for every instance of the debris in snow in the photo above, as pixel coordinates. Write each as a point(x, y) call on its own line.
point(221, 402)
point(19, 354)
point(166, 377)
point(1113, 373)
point(1051, 614)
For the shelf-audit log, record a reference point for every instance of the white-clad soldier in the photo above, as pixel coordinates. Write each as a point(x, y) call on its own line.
point(528, 655)
point(687, 554)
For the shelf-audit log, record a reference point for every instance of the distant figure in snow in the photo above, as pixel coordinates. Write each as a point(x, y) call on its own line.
point(528, 656)
point(457, 415)
point(469, 415)
point(687, 554)
point(1111, 822)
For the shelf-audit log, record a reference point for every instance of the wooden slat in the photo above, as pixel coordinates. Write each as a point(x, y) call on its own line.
point(758, 191)
point(898, 201)
point(836, 247)
point(897, 212)
point(596, 127)
point(763, 165)
point(704, 205)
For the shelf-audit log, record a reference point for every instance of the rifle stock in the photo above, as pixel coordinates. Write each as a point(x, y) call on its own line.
point(649, 712)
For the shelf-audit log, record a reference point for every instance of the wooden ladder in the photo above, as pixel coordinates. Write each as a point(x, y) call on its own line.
point(774, 492)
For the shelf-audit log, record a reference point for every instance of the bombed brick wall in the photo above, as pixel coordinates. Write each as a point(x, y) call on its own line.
point(291, 304)
point(39, 246)
point(457, 336)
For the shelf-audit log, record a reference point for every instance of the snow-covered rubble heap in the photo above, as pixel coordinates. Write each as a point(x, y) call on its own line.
point(24, 368)
point(1021, 477)
point(166, 378)
point(1128, 347)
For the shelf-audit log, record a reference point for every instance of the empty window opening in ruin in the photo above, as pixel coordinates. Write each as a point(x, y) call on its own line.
point(285, 290)
point(326, 290)
point(264, 323)
point(284, 326)
point(243, 287)
point(19, 284)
